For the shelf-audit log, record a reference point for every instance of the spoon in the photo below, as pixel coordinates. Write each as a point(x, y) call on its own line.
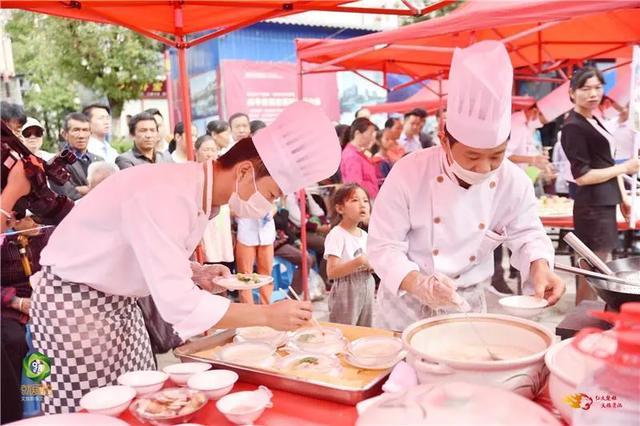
point(464, 307)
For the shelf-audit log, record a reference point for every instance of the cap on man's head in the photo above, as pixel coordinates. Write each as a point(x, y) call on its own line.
point(479, 99)
point(299, 148)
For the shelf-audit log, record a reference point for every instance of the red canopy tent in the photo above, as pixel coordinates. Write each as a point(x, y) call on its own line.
point(536, 32)
point(172, 21)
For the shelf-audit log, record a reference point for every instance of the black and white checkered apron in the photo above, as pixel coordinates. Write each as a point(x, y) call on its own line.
point(90, 337)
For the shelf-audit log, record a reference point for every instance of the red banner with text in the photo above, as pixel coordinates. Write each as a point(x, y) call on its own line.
point(263, 89)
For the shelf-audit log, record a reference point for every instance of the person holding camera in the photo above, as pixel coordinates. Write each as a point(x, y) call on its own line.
point(76, 130)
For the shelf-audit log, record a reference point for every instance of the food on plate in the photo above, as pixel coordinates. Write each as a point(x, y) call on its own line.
point(309, 363)
point(170, 403)
point(252, 278)
point(257, 354)
point(258, 332)
point(555, 206)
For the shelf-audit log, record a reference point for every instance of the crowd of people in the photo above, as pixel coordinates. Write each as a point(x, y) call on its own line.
point(338, 208)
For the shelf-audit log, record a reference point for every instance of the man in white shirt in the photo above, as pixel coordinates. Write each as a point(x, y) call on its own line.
point(100, 121)
point(443, 211)
point(128, 240)
point(410, 138)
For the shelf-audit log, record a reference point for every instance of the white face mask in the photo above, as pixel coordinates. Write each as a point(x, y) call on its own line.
point(256, 207)
point(468, 176)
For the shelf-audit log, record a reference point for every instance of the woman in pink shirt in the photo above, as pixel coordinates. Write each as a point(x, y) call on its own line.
point(355, 167)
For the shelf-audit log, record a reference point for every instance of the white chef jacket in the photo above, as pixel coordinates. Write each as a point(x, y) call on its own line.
point(522, 141)
point(102, 149)
point(425, 221)
point(133, 236)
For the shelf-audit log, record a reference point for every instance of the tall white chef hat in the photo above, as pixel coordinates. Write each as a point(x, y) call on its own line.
point(300, 148)
point(479, 100)
point(556, 103)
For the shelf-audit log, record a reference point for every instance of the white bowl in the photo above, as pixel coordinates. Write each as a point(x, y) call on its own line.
point(144, 382)
point(180, 373)
point(375, 351)
point(108, 400)
point(214, 383)
point(243, 408)
point(569, 368)
point(447, 348)
point(523, 306)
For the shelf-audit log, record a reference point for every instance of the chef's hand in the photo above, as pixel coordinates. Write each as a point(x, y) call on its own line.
point(438, 291)
point(288, 314)
point(83, 189)
point(546, 284)
point(205, 276)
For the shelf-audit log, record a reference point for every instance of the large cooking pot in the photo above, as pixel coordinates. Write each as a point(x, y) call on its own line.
point(448, 348)
point(615, 294)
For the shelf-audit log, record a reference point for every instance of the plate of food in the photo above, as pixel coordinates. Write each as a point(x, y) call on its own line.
point(169, 406)
point(309, 363)
point(261, 334)
point(244, 281)
point(318, 340)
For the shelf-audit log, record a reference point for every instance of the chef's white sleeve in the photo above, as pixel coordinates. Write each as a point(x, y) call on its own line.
point(157, 229)
point(526, 237)
point(387, 244)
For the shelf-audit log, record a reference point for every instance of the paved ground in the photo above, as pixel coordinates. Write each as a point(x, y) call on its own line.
point(550, 318)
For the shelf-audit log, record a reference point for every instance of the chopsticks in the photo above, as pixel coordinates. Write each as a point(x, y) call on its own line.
point(313, 320)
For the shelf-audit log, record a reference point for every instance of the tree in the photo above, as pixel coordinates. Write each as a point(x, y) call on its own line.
point(57, 55)
point(436, 14)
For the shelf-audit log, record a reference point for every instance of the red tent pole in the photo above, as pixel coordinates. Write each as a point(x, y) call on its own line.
point(302, 199)
point(186, 98)
point(170, 95)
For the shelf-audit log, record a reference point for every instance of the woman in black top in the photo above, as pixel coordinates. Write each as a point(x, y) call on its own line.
point(588, 145)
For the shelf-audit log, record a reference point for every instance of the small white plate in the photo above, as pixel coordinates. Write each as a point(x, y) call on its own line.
point(281, 341)
point(386, 366)
point(232, 283)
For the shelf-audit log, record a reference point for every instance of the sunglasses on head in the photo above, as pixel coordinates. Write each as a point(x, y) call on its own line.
point(32, 131)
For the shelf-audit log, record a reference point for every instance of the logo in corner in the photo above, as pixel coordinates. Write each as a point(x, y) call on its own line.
point(579, 400)
point(37, 366)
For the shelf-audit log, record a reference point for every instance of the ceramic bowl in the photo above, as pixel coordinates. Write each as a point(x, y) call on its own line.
point(374, 351)
point(108, 400)
point(523, 306)
point(243, 408)
point(144, 382)
point(180, 372)
point(214, 383)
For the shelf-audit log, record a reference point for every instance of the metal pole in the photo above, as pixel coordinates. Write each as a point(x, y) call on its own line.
point(170, 95)
point(302, 199)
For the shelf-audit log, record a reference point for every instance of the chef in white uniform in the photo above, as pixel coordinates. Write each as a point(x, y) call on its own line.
point(443, 210)
point(133, 236)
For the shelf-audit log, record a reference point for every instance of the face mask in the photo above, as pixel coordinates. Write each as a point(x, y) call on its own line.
point(256, 207)
point(472, 178)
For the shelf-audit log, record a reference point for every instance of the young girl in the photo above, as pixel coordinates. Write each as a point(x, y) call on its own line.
point(352, 290)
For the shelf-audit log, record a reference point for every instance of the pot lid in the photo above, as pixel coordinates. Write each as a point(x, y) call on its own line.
point(455, 403)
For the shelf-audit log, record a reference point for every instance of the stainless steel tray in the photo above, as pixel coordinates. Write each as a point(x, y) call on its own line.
point(302, 386)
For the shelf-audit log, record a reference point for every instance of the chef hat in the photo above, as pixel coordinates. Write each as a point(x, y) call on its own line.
point(479, 100)
point(300, 148)
point(556, 103)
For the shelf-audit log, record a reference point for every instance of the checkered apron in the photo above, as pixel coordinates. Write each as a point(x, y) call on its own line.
point(398, 312)
point(351, 299)
point(90, 337)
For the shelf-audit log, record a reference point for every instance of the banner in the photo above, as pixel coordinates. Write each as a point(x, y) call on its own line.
point(263, 89)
